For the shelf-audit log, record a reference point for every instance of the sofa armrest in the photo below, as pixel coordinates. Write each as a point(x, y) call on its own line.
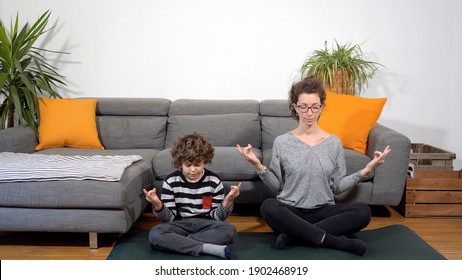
point(390, 178)
point(20, 139)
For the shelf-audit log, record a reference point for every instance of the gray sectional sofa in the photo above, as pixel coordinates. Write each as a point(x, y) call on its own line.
point(147, 127)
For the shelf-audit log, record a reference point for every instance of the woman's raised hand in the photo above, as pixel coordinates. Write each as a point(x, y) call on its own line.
point(248, 154)
point(379, 158)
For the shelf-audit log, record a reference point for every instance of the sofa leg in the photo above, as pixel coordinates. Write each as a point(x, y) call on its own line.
point(93, 240)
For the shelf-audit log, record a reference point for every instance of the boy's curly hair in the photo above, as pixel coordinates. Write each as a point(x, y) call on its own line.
point(193, 147)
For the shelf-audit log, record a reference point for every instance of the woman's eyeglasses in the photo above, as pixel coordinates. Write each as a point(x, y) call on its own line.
point(314, 108)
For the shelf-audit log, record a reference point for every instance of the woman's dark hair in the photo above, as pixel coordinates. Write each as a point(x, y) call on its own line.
point(193, 147)
point(310, 85)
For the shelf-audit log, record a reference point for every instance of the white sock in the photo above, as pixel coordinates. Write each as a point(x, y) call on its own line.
point(216, 250)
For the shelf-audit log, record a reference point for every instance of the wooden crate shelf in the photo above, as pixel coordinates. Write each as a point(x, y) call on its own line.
point(424, 156)
point(433, 193)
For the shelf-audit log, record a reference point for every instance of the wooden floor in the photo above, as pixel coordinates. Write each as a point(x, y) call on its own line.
point(444, 234)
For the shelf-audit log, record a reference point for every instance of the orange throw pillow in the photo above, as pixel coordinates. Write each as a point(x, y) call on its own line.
point(67, 123)
point(351, 118)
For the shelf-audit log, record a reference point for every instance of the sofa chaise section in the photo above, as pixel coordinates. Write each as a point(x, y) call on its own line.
point(126, 127)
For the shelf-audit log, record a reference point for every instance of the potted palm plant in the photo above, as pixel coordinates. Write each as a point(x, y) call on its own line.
point(341, 69)
point(25, 73)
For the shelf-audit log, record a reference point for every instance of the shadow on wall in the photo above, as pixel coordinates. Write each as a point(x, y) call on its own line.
point(418, 134)
point(389, 85)
point(433, 136)
point(398, 88)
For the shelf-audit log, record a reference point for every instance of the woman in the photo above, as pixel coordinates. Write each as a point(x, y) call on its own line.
point(307, 168)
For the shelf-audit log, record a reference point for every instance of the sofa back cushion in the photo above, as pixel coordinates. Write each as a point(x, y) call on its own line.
point(227, 162)
point(132, 123)
point(275, 120)
point(196, 107)
point(226, 122)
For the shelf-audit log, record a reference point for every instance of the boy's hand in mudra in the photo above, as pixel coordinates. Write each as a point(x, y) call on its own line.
point(152, 197)
point(231, 196)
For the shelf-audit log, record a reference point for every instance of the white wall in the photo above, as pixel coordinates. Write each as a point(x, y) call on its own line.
point(238, 49)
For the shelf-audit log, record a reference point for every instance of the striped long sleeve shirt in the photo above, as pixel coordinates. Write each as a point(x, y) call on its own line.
point(183, 199)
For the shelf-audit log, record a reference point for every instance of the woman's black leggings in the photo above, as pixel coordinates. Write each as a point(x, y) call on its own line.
point(311, 224)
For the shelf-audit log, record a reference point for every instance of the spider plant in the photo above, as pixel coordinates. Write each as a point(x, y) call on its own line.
point(342, 68)
point(25, 73)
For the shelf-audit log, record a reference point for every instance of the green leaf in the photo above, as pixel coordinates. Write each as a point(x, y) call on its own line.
point(3, 77)
point(3, 114)
point(16, 101)
point(25, 73)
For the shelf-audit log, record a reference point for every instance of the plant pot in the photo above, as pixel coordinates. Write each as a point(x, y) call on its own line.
point(337, 84)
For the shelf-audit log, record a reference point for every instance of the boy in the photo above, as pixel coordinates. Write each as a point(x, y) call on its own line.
point(193, 205)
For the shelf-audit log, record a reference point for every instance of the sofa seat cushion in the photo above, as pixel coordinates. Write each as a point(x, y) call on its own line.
point(356, 161)
point(227, 162)
point(253, 192)
point(87, 193)
point(72, 220)
point(361, 193)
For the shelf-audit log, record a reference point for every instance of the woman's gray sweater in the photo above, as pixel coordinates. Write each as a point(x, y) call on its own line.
point(307, 176)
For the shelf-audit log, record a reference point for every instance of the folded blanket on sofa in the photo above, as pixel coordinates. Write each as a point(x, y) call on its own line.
point(16, 167)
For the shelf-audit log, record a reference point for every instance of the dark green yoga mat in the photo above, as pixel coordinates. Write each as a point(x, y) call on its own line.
point(395, 242)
